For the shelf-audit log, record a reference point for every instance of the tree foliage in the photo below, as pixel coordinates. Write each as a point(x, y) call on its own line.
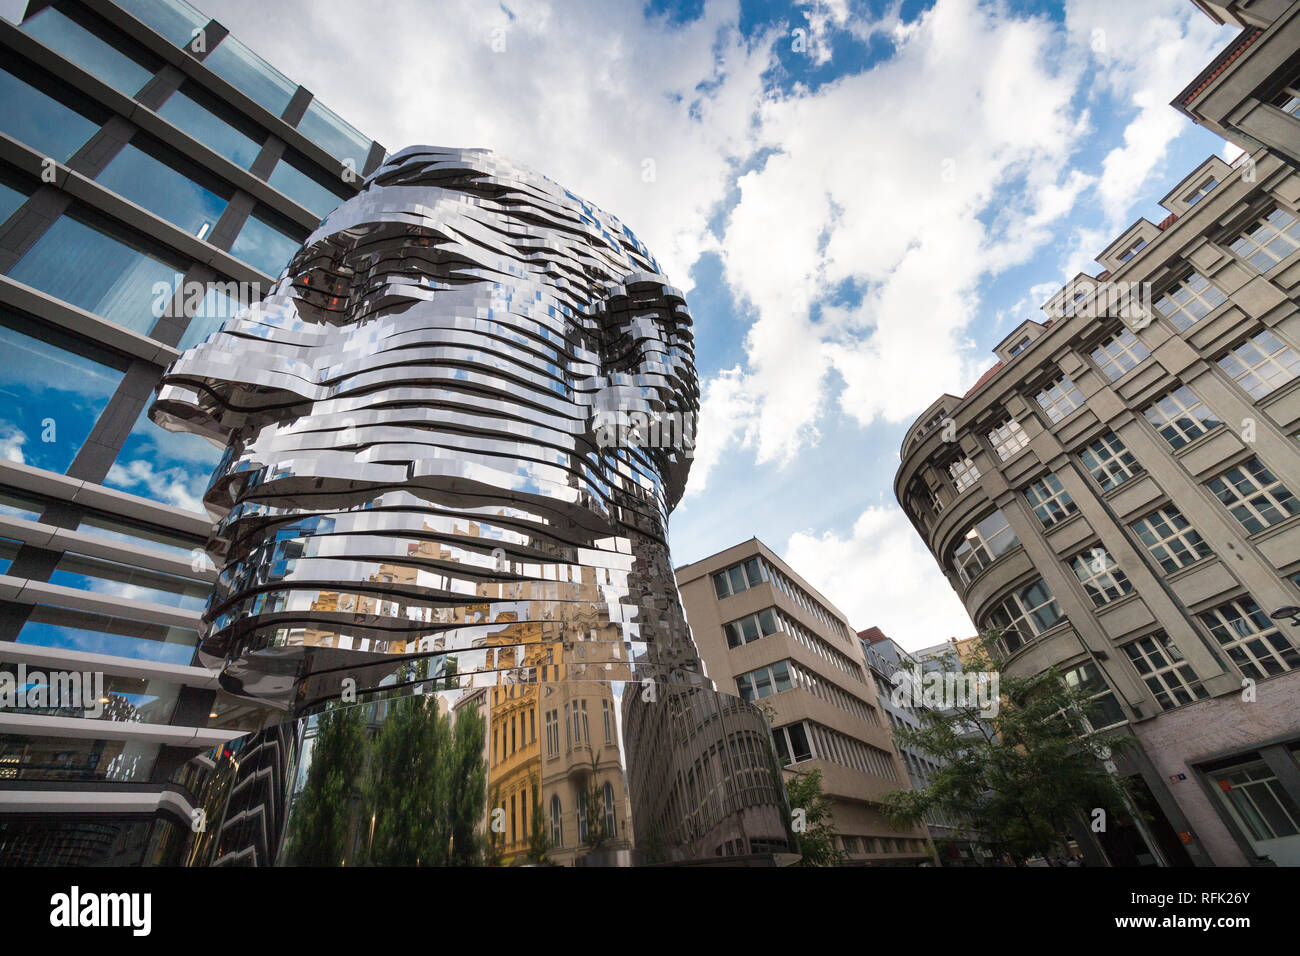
point(1020, 777)
point(323, 811)
point(811, 809)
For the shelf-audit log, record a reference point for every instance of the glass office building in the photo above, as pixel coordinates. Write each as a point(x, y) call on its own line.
point(155, 175)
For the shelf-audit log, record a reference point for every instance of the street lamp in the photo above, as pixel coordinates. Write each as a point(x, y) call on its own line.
point(1289, 613)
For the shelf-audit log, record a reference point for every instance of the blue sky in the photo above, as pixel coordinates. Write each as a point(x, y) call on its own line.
point(860, 200)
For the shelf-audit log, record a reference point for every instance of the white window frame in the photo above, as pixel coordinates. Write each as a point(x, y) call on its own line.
point(964, 473)
point(1049, 500)
point(1270, 239)
point(1189, 300)
point(1119, 353)
point(1109, 461)
point(1180, 417)
point(1169, 676)
point(1018, 612)
point(1251, 640)
point(1060, 398)
point(983, 545)
point(1007, 438)
point(1261, 364)
point(1100, 576)
point(1167, 532)
point(1254, 495)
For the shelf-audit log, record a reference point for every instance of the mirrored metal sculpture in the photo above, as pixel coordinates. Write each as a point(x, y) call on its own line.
point(454, 432)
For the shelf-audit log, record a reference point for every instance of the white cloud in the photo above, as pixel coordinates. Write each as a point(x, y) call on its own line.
point(12, 440)
point(882, 575)
point(172, 486)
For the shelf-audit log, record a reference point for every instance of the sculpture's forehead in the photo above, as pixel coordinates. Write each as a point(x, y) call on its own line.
point(436, 188)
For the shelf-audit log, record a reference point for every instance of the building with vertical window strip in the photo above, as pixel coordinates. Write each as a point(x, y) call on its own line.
point(768, 636)
point(1142, 532)
point(155, 176)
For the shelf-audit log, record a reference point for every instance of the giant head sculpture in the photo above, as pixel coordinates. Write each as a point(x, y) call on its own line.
point(426, 431)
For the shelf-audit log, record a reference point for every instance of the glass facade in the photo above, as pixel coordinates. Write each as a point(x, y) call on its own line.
point(249, 73)
point(54, 387)
point(135, 529)
point(323, 126)
point(92, 53)
point(152, 176)
point(264, 245)
point(110, 275)
point(202, 116)
point(41, 113)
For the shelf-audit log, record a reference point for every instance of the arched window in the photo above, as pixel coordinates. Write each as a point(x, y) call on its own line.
point(611, 822)
point(557, 822)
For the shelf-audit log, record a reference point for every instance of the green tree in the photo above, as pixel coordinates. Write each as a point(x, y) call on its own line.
point(814, 825)
point(466, 786)
point(322, 812)
point(408, 785)
point(539, 842)
point(1022, 776)
point(593, 798)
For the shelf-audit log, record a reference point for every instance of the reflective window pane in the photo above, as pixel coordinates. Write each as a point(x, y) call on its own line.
point(265, 246)
point(109, 275)
point(217, 306)
point(101, 634)
point(53, 387)
point(160, 180)
point(174, 19)
point(121, 580)
point(140, 536)
point(292, 177)
point(169, 468)
point(323, 127)
point(10, 200)
point(88, 51)
point(41, 114)
point(201, 115)
point(246, 71)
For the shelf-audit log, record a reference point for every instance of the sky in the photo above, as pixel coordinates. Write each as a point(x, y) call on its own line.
point(859, 199)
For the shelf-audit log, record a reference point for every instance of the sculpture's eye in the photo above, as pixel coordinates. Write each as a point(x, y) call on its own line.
point(325, 285)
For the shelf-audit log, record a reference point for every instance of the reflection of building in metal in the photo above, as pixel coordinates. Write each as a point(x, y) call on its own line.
point(769, 635)
point(419, 467)
point(703, 775)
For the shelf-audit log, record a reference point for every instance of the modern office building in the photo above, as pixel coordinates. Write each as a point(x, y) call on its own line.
point(955, 843)
point(766, 634)
point(155, 174)
point(1117, 494)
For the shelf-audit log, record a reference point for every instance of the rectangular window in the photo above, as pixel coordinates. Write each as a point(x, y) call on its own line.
point(1100, 576)
point(1167, 674)
point(1132, 250)
point(964, 473)
point(1201, 191)
point(750, 628)
point(44, 113)
point(1008, 438)
point(1020, 346)
point(1180, 417)
point(117, 276)
point(173, 469)
point(1024, 615)
point(1060, 398)
point(165, 183)
point(108, 577)
point(201, 115)
point(54, 387)
point(1050, 501)
point(1102, 710)
point(1188, 301)
point(982, 545)
point(1268, 240)
point(765, 681)
point(1119, 353)
point(140, 536)
point(1109, 462)
point(1253, 641)
point(102, 634)
point(1254, 495)
point(323, 127)
point(125, 72)
point(306, 185)
point(1171, 541)
point(175, 20)
point(266, 242)
point(246, 71)
point(1261, 364)
point(739, 577)
point(1258, 800)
